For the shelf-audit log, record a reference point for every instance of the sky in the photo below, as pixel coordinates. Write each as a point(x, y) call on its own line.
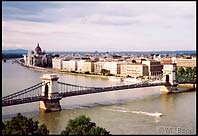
point(99, 26)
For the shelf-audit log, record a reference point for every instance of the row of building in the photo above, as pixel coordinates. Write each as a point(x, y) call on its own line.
point(116, 65)
point(118, 68)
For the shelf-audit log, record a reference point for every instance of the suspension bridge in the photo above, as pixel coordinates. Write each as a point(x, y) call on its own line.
point(50, 91)
point(34, 93)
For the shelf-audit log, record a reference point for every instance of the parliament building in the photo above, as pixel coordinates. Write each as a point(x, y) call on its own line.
point(38, 58)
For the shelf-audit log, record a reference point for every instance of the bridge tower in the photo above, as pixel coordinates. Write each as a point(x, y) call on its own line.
point(169, 76)
point(50, 91)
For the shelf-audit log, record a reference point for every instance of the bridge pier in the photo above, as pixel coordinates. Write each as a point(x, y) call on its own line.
point(50, 105)
point(50, 91)
point(169, 76)
point(168, 88)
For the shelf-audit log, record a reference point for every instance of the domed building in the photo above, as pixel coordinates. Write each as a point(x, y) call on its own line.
point(38, 49)
point(38, 58)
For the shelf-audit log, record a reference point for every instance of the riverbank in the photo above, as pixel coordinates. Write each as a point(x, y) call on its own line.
point(181, 87)
point(186, 87)
point(60, 71)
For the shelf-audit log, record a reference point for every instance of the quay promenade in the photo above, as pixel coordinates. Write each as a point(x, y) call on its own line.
point(59, 71)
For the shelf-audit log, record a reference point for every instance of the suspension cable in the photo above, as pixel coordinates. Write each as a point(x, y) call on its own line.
point(24, 91)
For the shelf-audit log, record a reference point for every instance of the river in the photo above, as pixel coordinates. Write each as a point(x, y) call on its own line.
point(120, 112)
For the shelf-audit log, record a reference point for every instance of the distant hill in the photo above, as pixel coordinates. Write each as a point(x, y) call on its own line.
point(184, 52)
point(22, 51)
point(15, 51)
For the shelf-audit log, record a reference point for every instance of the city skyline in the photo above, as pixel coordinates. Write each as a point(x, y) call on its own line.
point(101, 26)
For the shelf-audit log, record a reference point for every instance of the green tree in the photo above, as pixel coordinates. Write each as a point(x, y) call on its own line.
point(3, 126)
point(194, 73)
point(82, 125)
point(21, 125)
point(188, 72)
point(98, 131)
point(105, 72)
point(133, 61)
point(87, 72)
point(181, 71)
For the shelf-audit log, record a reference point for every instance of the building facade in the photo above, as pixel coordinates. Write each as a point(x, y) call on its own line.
point(69, 65)
point(133, 70)
point(154, 67)
point(85, 66)
point(98, 66)
point(38, 58)
point(111, 66)
point(186, 62)
point(57, 63)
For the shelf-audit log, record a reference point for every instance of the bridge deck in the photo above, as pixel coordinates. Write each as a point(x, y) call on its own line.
point(21, 101)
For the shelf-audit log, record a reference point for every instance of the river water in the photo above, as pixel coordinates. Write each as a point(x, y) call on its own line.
point(128, 111)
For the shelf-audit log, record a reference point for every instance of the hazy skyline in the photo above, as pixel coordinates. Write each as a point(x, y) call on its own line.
point(101, 26)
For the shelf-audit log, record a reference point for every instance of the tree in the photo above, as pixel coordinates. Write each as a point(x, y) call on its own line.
point(3, 126)
point(181, 71)
point(133, 61)
point(82, 125)
point(87, 72)
point(194, 73)
point(98, 131)
point(186, 74)
point(21, 125)
point(105, 72)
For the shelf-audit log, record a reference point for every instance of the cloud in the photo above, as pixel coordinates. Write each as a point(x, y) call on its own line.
point(102, 26)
